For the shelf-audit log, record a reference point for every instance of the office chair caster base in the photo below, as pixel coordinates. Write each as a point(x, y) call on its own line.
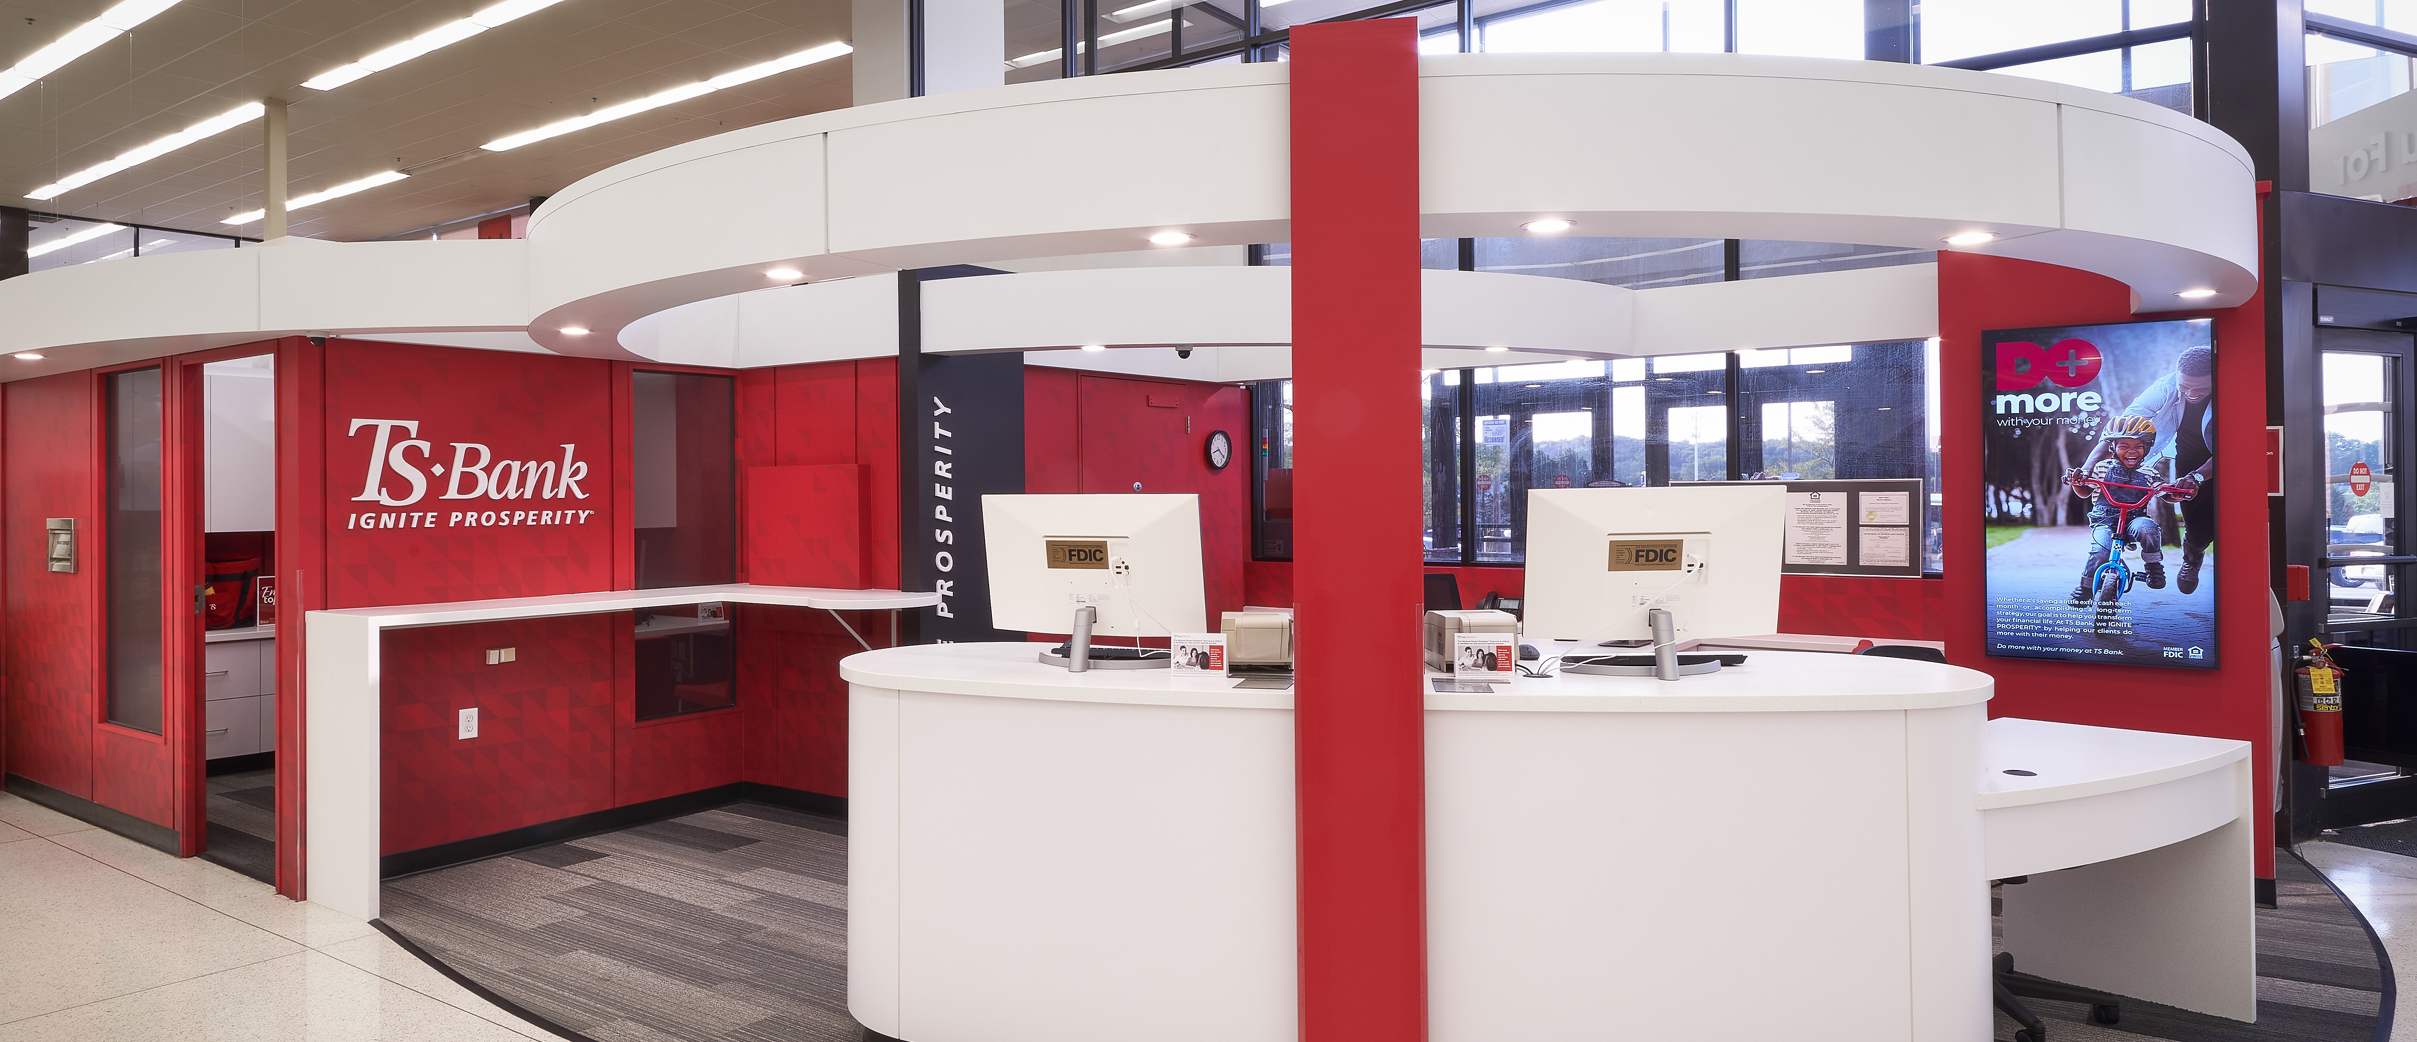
point(2103, 1014)
point(2025, 1035)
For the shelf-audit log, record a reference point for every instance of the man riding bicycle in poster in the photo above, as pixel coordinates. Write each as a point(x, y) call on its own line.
point(2182, 407)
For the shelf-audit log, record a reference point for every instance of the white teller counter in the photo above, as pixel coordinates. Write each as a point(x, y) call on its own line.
point(1794, 848)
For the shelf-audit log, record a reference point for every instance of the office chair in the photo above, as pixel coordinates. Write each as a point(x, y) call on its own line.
point(2006, 985)
point(1443, 592)
point(1911, 651)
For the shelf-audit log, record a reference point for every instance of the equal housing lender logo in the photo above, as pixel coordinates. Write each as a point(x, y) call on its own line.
point(486, 492)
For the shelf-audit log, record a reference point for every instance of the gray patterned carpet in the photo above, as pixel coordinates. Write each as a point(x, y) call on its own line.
point(726, 924)
point(242, 810)
point(731, 924)
point(2320, 979)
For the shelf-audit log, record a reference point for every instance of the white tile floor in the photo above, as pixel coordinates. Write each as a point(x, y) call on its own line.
point(103, 938)
point(2384, 887)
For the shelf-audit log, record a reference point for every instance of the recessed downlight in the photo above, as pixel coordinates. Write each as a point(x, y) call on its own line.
point(2196, 294)
point(29, 356)
point(1549, 226)
point(1971, 238)
point(574, 330)
point(1095, 347)
point(1170, 238)
point(784, 274)
point(1496, 350)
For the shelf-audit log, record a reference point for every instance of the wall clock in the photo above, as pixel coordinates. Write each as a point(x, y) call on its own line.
point(1220, 450)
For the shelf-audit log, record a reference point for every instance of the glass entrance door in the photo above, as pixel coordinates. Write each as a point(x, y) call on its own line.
point(2367, 556)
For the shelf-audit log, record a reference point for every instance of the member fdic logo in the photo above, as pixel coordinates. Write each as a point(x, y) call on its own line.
point(394, 478)
point(1078, 553)
point(1647, 555)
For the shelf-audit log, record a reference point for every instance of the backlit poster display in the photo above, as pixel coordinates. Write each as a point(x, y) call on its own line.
point(2099, 468)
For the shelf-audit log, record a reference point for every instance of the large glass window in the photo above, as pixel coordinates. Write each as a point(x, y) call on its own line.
point(1634, 263)
point(2360, 109)
point(1759, 258)
point(1611, 25)
point(133, 544)
point(1804, 28)
point(1844, 411)
point(685, 479)
point(53, 241)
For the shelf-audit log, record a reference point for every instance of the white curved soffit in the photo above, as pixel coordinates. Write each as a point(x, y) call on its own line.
point(1681, 145)
point(87, 315)
point(1250, 309)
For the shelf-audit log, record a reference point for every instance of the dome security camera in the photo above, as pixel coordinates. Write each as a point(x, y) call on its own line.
point(1184, 351)
point(318, 337)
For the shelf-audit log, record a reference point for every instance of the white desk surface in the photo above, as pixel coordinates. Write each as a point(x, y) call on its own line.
point(2071, 761)
point(1770, 681)
point(618, 600)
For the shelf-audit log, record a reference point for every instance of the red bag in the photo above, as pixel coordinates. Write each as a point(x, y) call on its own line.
point(227, 593)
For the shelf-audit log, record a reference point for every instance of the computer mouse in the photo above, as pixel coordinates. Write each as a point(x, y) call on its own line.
point(1527, 653)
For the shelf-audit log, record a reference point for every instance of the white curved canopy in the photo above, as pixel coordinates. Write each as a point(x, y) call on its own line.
point(1681, 145)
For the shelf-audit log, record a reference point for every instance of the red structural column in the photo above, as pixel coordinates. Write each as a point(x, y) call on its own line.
point(1359, 734)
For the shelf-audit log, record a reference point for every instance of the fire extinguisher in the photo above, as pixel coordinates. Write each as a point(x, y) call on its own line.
point(2320, 705)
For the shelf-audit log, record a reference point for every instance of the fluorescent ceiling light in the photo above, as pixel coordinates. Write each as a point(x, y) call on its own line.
point(232, 118)
point(1971, 238)
point(2196, 294)
point(87, 235)
point(673, 96)
point(443, 35)
point(339, 191)
point(79, 42)
point(1108, 40)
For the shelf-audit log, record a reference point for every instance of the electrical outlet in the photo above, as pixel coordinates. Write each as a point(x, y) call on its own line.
point(468, 728)
point(511, 654)
point(499, 656)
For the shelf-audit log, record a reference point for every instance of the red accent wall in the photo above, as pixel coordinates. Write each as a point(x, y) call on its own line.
point(52, 625)
point(545, 747)
point(521, 407)
point(1978, 293)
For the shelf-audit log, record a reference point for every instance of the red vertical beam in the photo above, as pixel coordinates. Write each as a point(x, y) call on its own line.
point(302, 438)
point(182, 499)
point(1359, 734)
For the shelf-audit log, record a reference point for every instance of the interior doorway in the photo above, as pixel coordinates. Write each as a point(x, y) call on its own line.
point(234, 568)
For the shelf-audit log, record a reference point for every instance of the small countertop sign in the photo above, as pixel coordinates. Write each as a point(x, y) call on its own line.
point(1197, 654)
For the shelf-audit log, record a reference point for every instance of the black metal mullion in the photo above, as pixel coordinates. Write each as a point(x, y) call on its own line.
point(916, 64)
point(1466, 19)
point(1090, 37)
point(1069, 37)
point(1734, 411)
point(2360, 32)
point(1468, 466)
point(1728, 19)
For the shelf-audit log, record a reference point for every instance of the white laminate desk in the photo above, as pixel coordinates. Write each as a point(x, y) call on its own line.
point(1799, 848)
point(343, 722)
point(1785, 850)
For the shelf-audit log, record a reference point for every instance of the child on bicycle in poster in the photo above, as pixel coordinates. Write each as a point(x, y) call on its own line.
point(2127, 439)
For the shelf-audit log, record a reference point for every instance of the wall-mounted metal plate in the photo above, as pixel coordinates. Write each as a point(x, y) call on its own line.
point(60, 548)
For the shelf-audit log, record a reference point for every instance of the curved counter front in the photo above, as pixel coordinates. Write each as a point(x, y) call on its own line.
point(1787, 849)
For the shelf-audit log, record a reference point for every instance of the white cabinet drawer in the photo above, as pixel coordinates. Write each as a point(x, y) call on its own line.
point(230, 670)
point(268, 724)
point(231, 727)
point(268, 665)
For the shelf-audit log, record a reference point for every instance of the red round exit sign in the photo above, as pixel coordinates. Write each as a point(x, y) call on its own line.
point(2360, 478)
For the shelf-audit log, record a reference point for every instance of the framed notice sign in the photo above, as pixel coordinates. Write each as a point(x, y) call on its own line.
point(1850, 527)
point(2098, 451)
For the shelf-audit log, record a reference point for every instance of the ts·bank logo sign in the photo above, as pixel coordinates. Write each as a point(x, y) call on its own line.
point(474, 475)
point(2022, 366)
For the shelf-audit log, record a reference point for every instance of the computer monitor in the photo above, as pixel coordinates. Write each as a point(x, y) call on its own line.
point(1133, 559)
point(1599, 560)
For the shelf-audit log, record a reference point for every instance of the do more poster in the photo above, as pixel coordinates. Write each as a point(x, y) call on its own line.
point(2098, 466)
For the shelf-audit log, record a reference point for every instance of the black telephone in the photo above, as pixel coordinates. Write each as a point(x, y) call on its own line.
point(1495, 601)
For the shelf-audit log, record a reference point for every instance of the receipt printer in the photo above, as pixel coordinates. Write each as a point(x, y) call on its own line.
point(1443, 627)
point(1258, 643)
